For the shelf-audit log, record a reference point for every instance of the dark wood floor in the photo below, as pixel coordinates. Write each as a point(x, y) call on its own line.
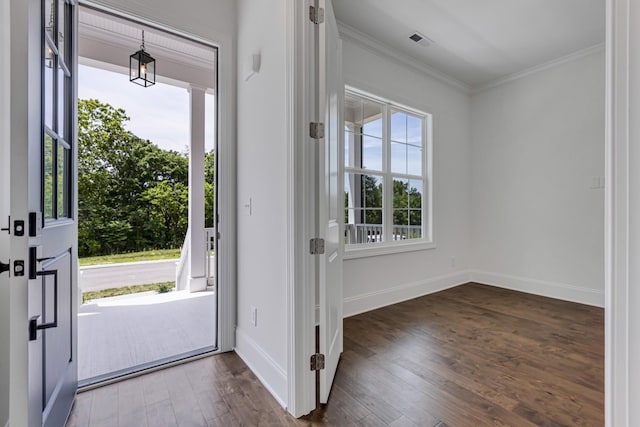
point(469, 356)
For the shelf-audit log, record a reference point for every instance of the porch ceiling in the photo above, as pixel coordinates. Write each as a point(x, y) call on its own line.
point(109, 40)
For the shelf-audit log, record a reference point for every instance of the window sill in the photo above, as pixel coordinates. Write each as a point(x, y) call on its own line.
point(363, 251)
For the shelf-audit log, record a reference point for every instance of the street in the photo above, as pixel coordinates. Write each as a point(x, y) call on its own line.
point(95, 278)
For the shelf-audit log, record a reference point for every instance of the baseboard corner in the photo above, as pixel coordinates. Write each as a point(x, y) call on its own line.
point(556, 290)
point(268, 372)
point(371, 301)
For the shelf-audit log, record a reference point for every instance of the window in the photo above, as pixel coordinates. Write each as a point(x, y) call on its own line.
point(56, 110)
point(387, 176)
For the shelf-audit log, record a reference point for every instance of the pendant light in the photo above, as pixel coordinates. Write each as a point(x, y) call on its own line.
point(142, 67)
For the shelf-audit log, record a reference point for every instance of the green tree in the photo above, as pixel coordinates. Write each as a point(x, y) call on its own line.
point(369, 206)
point(372, 196)
point(407, 204)
point(209, 193)
point(132, 195)
point(168, 206)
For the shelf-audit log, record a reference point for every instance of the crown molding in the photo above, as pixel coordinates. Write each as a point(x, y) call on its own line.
point(351, 34)
point(539, 68)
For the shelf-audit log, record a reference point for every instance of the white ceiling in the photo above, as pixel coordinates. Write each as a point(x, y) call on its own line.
point(111, 39)
point(479, 41)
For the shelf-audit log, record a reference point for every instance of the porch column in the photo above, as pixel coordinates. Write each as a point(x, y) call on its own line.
point(197, 250)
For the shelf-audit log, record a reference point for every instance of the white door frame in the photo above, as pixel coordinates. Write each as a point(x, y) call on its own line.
point(5, 176)
point(622, 210)
point(301, 207)
point(226, 164)
point(25, 51)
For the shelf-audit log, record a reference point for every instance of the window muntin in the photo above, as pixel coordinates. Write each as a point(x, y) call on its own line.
point(385, 173)
point(57, 110)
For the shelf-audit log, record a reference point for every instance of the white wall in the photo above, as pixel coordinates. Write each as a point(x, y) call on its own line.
point(262, 178)
point(4, 212)
point(537, 142)
point(381, 280)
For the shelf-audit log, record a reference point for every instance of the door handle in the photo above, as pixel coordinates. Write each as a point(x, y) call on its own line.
point(4, 267)
point(33, 322)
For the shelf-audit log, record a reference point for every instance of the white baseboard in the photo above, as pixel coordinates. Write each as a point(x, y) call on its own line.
point(373, 300)
point(561, 291)
point(270, 374)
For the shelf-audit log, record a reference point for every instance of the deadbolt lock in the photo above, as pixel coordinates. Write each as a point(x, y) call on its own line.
point(18, 268)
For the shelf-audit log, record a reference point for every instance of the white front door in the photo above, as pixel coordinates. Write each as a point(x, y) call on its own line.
point(43, 211)
point(330, 210)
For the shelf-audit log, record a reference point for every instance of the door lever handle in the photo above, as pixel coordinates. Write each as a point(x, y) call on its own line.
point(4, 267)
point(33, 322)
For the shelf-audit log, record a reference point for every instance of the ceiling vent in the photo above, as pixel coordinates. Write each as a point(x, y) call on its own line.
point(420, 39)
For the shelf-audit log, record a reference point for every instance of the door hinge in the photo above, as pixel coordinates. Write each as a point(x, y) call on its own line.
point(316, 130)
point(316, 15)
point(317, 362)
point(316, 246)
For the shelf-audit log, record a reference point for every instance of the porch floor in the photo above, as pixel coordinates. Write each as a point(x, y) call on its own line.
point(121, 332)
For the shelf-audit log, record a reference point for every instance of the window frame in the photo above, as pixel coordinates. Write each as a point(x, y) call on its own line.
point(360, 250)
point(60, 130)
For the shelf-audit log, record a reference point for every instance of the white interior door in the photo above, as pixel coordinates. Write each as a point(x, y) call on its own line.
point(43, 212)
point(331, 91)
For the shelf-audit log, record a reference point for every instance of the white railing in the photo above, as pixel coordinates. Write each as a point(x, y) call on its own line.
point(370, 233)
point(182, 272)
point(209, 254)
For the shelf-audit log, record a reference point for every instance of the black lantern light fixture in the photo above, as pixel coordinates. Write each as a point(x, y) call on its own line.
point(142, 67)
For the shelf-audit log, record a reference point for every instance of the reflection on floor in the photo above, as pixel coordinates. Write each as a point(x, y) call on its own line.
point(120, 332)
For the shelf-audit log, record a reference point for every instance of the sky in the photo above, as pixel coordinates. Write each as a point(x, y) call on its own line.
point(159, 113)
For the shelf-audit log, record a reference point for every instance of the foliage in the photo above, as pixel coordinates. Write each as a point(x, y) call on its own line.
point(133, 196)
point(158, 254)
point(407, 202)
point(165, 287)
point(161, 288)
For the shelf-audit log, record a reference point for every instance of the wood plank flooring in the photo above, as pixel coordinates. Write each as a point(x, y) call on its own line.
point(470, 356)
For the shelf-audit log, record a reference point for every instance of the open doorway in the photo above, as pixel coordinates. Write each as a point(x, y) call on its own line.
point(146, 196)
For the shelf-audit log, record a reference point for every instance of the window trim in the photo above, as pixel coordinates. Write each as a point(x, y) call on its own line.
point(61, 138)
point(427, 241)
